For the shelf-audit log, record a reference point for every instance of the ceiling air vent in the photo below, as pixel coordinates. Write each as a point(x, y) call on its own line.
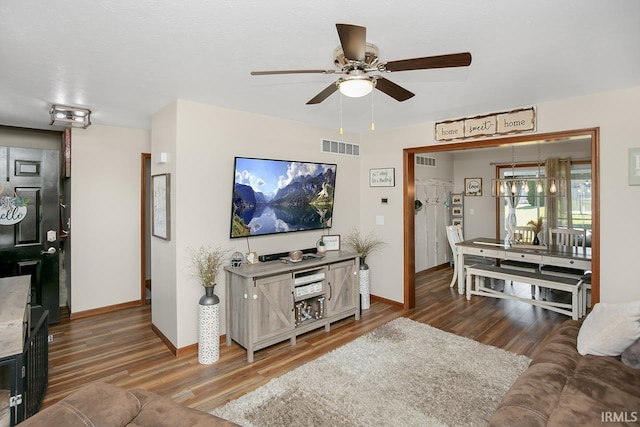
point(338, 147)
point(426, 161)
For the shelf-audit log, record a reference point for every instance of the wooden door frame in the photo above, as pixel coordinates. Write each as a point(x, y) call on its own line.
point(409, 197)
point(143, 226)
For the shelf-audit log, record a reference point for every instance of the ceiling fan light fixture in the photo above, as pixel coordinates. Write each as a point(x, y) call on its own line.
point(356, 88)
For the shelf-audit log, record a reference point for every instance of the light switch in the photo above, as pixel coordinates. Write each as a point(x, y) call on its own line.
point(472, 211)
point(379, 220)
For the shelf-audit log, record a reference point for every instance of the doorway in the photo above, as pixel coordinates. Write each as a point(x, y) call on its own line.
point(29, 231)
point(145, 228)
point(410, 194)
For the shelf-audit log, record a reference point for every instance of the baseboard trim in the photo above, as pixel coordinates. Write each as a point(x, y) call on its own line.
point(432, 269)
point(387, 301)
point(102, 310)
point(184, 351)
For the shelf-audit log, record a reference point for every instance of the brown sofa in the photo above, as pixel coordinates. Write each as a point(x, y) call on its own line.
point(562, 388)
point(101, 404)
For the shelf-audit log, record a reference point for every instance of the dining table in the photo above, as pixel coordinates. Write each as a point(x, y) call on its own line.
point(556, 255)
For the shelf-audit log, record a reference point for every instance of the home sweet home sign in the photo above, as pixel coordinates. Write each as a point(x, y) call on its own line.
point(515, 121)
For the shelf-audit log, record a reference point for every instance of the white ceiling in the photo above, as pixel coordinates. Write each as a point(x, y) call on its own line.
point(125, 59)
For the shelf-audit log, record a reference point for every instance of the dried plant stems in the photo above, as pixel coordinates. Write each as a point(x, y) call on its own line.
point(363, 245)
point(206, 262)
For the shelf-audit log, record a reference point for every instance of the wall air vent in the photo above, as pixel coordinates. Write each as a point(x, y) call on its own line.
point(338, 147)
point(426, 161)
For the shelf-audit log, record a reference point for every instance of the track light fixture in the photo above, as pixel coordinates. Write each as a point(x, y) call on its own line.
point(62, 115)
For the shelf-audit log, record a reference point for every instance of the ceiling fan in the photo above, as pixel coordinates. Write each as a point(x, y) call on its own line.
point(356, 59)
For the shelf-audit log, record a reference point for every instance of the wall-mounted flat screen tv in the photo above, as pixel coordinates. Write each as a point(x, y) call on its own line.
point(280, 196)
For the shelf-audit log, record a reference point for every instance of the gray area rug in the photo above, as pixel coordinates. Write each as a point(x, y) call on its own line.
point(404, 373)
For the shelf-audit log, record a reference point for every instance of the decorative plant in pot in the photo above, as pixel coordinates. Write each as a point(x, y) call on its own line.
point(364, 245)
point(205, 263)
point(321, 247)
point(537, 228)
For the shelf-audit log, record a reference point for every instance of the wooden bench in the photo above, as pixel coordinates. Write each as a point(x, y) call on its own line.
point(576, 309)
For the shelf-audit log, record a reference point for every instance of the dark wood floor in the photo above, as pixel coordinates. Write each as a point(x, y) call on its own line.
point(120, 347)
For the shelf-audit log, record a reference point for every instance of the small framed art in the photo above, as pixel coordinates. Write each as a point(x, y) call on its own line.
point(456, 199)
point(456, 221)
point(331, 242)
point(161, 213)
point(383, 177)
point(456, 211)
point(473, 186)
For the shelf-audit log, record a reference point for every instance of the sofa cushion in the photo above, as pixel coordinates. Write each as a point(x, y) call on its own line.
point(99, 404)
point(631, 356)
point(561, 387)
point(609, 329)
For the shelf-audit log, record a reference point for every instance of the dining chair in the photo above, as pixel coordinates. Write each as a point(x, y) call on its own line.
point(574, 237)
point(525, 233)
point(454, 235)
point(569, 237)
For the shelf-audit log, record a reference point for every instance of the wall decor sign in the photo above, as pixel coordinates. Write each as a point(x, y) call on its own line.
point(634, 166)
point(473, 186)
point(332, 242)
point(515, 121)
point(383, 177)
point(161, 213)
point(12, 210)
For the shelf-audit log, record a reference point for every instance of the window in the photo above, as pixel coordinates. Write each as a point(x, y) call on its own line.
point(530, 207)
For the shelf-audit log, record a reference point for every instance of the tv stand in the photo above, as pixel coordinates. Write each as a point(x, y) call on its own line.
point(271, 302)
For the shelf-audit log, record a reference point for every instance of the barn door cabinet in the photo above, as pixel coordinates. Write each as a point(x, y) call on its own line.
point(271, 302)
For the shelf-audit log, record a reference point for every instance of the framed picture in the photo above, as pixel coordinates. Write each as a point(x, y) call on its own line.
point(161, 215)
point(457, 221)
point(456, 199)
point(456, 211)
point(252, 258)
point(634, 166)
point(384, 177)
point(332, 242)
point(473, 186)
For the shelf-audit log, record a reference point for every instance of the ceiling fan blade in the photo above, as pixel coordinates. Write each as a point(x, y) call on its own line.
point(324, 94)
point(353, 39)
point(393, 90)
point(427, 62)
point(264, 73)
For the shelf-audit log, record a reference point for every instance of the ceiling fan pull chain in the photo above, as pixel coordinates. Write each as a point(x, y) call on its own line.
point(373, 125)
point(340, 113)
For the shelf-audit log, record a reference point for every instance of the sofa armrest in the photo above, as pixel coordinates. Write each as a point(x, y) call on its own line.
point(99, 404)
point(159, 411)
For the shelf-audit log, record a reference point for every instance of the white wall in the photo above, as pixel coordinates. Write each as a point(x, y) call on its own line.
point(105, 215)
point(207, 140)
point(614, 112)
point(163, 252)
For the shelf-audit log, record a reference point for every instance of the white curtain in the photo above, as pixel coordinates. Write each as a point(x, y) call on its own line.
point(510, 221)
point(559, 208)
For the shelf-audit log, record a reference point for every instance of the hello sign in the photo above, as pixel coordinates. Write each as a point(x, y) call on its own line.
point(12, 210)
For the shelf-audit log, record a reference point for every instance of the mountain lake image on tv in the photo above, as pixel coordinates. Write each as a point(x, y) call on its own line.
point(279, 196)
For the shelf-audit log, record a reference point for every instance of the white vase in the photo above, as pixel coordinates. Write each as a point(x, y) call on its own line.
point(208, 328)
point(365, 294)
